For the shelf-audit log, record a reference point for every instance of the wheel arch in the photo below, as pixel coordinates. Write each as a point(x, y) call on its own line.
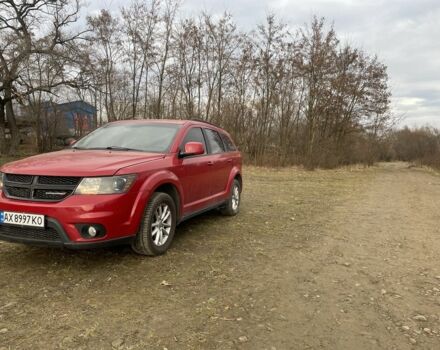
point(235, 174)
point(162, 181)
point(170, 189)
point(240, 179)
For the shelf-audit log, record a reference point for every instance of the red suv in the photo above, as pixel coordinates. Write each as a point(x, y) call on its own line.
point(126, 182)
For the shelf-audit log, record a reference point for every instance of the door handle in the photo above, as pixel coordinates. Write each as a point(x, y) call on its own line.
point(210, 163)
point(229, 160)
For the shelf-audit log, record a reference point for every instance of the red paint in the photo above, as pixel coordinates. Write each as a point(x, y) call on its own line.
point(202, 181)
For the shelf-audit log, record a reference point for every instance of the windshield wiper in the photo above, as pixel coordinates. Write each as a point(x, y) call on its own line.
point(119, 148)
point(110, 148)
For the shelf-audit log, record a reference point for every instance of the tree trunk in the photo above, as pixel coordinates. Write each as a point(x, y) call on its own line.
point(2, 127)
point(15, 134)
point(40, 138)
point(146, 107)
point(95, 114)
point(159, 95)
point(219, 97)
point(10, 116)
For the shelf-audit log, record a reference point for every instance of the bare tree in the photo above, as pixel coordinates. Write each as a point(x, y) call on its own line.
point(140, 20)
point(168, 19)
point(268, 60)
point(22, 38)
point(317, 57)
point(106, 53)
point(222, 42)
point(187, 67)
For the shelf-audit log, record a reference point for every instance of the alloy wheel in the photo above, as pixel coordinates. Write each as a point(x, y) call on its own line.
point(161, 226)
point(235, 198)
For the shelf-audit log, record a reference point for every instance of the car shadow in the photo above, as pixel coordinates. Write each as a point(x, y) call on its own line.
point(13, 254)
point(194, 225)
point(24, 254)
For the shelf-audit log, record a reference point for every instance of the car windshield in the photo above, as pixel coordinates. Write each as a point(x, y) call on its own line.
point(130, 137)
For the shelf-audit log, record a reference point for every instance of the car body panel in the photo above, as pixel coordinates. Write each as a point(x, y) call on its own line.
point(87, 163)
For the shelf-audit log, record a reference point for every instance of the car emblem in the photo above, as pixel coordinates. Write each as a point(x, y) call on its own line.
point(50, 193)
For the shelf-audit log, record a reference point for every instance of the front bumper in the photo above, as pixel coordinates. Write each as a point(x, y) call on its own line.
point(115, 212)
point(53, 235)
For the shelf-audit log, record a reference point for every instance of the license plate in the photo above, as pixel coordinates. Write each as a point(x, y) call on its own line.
point(21, 219)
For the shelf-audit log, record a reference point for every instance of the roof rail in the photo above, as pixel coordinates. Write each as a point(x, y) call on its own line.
point(204, 121)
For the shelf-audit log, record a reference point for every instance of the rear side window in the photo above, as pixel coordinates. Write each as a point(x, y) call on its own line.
point(194, 135)
point(229, 145)
point(214, 141)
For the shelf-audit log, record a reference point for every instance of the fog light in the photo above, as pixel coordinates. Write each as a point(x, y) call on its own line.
point(92, 231)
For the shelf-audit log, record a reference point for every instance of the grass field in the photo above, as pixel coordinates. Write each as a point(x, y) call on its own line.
point(337, 259)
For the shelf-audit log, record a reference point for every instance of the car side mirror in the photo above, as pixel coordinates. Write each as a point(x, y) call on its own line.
point(69, 142)
point(193, 149)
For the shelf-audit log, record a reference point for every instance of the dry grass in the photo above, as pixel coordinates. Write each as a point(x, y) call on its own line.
point(218, 270)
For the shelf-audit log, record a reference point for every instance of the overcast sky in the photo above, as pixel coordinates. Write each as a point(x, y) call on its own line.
point(405, 34)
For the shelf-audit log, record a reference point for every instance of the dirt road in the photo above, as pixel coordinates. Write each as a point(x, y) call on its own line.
point(344, 259)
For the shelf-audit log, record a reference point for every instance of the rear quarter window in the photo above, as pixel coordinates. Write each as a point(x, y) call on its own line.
point(214, 141)
point(229, 145)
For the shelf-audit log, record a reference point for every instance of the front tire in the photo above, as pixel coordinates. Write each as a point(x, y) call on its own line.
point(232, 206)
point(158, 226)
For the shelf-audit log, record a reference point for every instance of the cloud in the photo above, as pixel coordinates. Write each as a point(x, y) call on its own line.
point(410, 101)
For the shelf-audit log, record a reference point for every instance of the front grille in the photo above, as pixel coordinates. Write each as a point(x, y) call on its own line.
point(58, 180)
point(40, 188)
point(24, 179)
point(19, 192)
point(46, 234)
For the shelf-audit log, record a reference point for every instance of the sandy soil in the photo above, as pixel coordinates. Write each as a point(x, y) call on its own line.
point(343, 259)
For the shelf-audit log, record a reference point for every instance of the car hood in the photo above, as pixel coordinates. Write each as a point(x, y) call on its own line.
point(79, 163)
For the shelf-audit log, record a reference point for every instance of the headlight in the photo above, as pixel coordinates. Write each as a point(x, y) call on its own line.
point(105, 185)
point(1, 181)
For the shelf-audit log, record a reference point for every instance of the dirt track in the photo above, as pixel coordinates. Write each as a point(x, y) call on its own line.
point(345, 259)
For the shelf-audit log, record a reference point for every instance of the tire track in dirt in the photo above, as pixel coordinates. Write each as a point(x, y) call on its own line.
point(373, 273)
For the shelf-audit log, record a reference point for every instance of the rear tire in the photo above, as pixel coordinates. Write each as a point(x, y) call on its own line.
point(158, 226)
point(232, 206)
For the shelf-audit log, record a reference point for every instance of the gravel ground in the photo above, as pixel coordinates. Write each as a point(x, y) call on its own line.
point(340, 259)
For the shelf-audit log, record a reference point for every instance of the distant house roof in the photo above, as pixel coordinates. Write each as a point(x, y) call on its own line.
point(70, 106)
